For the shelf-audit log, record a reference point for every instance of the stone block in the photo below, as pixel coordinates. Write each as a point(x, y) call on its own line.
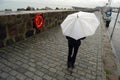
point(19, 16)
point(19, 21)
point(11, 78)
point(11, 19)
point(32, 15)
point(29, 74)
point(46, 22)
point(37, 31)
point(9, 42)
point(21, 28)
point(1, 44)
point(29, 33)
point(29, 24)
point(37, 77)
point(4, 75)
point(12, 29)
point(19, 38)
point(21, 76)
point(49, 15)
point(47, 77)
point(3, 19)
point(3, 33)
point(25, 17)
point(59, 22)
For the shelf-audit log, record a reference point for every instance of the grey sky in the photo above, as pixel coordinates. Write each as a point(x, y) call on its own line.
point(14, 4)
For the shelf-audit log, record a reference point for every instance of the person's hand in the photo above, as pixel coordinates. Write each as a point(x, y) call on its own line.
point(83, 38)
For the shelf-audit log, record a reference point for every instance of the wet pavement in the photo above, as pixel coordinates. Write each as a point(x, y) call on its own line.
point(44, 56)
point(116, 37)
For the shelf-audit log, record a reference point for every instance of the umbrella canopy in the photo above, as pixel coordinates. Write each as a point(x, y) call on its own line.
point(80, 24)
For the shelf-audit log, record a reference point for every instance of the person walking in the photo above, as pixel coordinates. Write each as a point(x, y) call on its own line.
point(77, 27)
point(108, 17)
point(72, 44)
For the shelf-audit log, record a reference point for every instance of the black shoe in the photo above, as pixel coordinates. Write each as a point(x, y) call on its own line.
point(72, 66)
point(68, 64)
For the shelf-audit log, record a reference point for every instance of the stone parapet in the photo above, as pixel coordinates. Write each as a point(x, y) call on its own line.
point(16, 26)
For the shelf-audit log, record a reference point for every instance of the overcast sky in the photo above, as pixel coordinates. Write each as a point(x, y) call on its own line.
point(14, 4)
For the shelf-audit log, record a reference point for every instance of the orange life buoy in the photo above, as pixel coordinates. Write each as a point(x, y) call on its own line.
point(38, 21)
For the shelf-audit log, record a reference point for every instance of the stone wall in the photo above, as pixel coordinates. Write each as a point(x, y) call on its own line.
point(17, 27)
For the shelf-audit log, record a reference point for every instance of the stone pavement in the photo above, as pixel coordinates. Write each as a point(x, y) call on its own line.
point(44, 56)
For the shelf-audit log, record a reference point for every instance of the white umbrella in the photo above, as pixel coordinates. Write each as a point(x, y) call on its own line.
point(80, 24)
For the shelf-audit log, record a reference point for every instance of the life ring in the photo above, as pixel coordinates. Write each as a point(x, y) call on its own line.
point(38, 21)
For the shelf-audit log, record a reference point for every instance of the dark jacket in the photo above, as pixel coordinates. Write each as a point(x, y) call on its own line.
point(74, 39)
point(74, 42)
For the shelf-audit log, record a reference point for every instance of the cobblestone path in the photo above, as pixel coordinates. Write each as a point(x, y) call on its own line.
point(44, 56)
